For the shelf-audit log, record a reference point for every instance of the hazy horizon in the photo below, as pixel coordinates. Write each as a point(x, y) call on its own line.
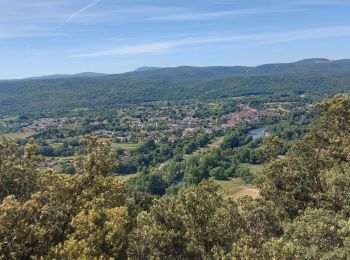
point(184, 65)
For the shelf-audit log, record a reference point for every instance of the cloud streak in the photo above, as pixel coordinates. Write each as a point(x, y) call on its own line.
point(39, 18)
point(268, 38)
point(193, 16)
point(157, 47)
point(25, 31)
point(82, 10)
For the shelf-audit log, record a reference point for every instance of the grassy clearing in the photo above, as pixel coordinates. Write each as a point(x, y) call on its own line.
point(7, 119)
point(56, 145)
point(241, 97)
point(233, 185)
point(18, 135)
point(80, 109)
point(66, 158)
point(237, 188)
point(251, 192)
point(127, 147)
point(254, 168)
point(213, 145)
point(126, 177)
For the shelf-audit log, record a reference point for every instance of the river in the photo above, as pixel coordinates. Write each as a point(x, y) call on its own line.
point(257, 132)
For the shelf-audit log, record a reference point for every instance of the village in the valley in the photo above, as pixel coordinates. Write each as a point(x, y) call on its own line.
point(136, 123)
point(126, 127)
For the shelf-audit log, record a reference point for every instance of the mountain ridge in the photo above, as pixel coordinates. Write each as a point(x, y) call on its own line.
point(315, 77)
point(316, 62)
point(63, 76)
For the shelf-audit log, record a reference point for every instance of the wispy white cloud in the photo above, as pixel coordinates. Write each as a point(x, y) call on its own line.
point(188, 16)
point(57, 12)
point(268, 38)
point(25, 31)
point(16, 15)
point(307, 34)
point(156, 47)
point(130, 50)
point(30, 10)
point(82, 10)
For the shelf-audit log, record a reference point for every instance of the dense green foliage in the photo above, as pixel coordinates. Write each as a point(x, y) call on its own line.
point(220, 163)
point(303, 211)
point(311, 77)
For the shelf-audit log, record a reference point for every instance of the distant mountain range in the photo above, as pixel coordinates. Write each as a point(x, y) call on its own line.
point(64, 76)
point(146, 69)
point(308, 65)
point(85, 74)
point(316, 77)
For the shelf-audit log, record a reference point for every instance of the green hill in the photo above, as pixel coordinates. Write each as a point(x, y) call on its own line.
point(314, 76)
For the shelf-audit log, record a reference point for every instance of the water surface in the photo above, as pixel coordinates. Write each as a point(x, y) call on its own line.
point(257, 132)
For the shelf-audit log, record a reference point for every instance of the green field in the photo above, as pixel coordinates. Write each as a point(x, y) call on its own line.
point(213, 145)
point(8, 119)
point(237, 188)
point(254, 168)
point(81, 109)
point(18, 135)
point(56, 145)
point(127, 147)
point(126, 177)
point(66, 158)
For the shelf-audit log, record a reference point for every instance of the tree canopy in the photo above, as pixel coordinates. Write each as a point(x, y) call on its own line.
point(303, 211)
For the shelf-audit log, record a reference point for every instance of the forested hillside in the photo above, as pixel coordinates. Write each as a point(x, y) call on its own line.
point(303, 211)
point(312, 77)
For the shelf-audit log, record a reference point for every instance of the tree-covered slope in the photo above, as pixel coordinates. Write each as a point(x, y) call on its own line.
point(303, 211)
point(313, 83)
point(316, 76)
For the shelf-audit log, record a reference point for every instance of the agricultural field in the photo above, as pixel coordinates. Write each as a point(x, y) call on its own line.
point(124, 146)
point(18, 135)
point(237, 188)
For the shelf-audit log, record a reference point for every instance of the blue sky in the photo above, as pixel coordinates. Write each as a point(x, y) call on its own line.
point(41, 37)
